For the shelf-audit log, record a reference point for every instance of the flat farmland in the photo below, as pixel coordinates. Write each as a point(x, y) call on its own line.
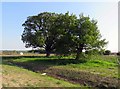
point(98, 71)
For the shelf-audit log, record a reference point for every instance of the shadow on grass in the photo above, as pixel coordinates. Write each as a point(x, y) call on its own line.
point(17, 57)
point(40, 63)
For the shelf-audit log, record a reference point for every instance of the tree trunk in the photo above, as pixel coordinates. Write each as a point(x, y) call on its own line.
point(47, 51)
point(47, 54)
point(77, 56)
point(79, 51)
point(49, 43)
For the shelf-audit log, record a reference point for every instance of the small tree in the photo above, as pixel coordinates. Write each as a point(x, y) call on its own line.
point(118, 53)
point(107, 52)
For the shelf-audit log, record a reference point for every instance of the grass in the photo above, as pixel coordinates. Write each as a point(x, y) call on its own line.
point(19, 77)
point(100, 67)
point(97, 70)
point(103, 65)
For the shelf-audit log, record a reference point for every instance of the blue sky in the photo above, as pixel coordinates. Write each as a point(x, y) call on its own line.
point(15, 13)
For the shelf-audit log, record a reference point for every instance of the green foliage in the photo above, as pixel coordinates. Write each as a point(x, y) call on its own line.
point(92, 52)
point(95, 52)
point(62, 33)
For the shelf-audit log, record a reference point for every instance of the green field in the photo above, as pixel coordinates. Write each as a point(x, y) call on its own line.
point(98, 71)
point(18, 77)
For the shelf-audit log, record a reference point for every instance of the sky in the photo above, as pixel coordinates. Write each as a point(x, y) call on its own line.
point(14, 15)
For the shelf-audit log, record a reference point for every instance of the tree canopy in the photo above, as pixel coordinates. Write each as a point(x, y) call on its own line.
point(62, 33)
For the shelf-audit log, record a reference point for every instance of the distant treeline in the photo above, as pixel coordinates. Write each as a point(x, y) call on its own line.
point(13, 52)
point(106, 52)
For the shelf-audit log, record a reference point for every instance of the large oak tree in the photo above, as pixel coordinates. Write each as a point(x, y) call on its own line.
point(62, 33)
point(39, 31)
